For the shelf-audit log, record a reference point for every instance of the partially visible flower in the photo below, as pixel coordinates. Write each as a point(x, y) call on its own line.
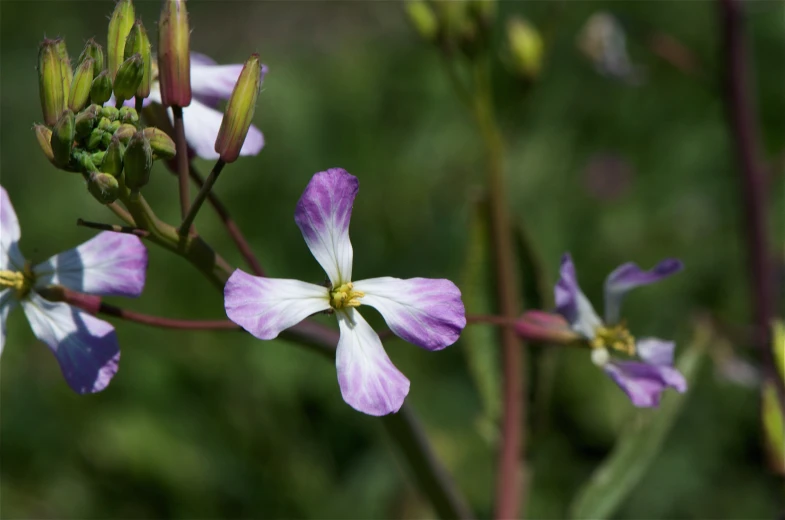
point(603, 40)
point(423, 311)
point(645, 380)
point(110, 264)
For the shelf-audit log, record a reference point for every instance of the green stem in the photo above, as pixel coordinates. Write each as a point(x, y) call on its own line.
point(201, 196)
point(183, 162)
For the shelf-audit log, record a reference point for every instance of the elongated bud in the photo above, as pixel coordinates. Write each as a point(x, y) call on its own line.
point(113, 159)
point(139, 43)
point(85, 161)
point(98, 158)
point(44, 137)
point(62, 140)
point(80, 85)
point(174, 60)
point(50, 82)
point(65, 67)
point(423, 19)
point(128, 115)
point(526, 48)
point(137, 161)
point(162, 145)
point(125, 132)
point(95, 139)
point(545, 327)
point(128, 78)
point(93, 49)
point(239, 111)
point(119, 26)
point(103, 187)
point(101, 88)
point(86, 120)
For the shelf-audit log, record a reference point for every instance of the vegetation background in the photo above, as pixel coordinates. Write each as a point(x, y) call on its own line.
point(221, 425)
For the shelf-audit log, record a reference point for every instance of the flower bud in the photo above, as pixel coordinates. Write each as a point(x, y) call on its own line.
point(111, 113)
point(50, 82)
point(114, 126)
point(104, 123)
point(128, 115)
point(98, 158)
point(101, 89)
point(106, 139)
point(80, 85)
point(65, 67)
point(139, 43)
point(62, 140)
point(93, 50)
point(239, 110)
point(85, 161)
point(545, 327)
point(423, 19)
point(174, 61)
point(113, 159)
point(125, 132)
point(162, 145)
point(128, 78)
point(95, 138)
point(119, 26)
point(526, 48)
point(44, 136)
point(86, 120)
point(138, 161)
point(103, 187)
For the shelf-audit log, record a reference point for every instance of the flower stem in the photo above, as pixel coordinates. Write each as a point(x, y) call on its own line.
point(743, 127)
point(200, 197)
point(182, 159)
point(141, 233)
point(509, 489)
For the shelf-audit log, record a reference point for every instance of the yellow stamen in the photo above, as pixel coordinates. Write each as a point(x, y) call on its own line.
point(345, 296)
point(616, 337)
point(21, 282)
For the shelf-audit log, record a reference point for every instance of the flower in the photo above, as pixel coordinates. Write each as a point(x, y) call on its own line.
point(643, 381)
point(423, 311)
point(110, 264)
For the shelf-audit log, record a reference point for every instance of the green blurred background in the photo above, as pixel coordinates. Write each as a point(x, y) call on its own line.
point(220, 425)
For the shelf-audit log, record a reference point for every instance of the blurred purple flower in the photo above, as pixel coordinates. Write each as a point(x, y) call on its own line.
point(643, 381)
point(110, 264)
point(423, 311)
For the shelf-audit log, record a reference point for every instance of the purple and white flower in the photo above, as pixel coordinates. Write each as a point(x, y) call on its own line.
point(423, 311)
point(110, 264)
point(643, 381)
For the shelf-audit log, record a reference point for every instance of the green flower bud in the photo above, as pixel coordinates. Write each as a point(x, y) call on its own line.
point(422, 18)
point(106, 139)
point(128, 78)
point(174, 60)
point(94, 141)
point(239, 110)
point(162, 145)
point(101, 89)
point(103, 187)
point(104, 123)
point(62, 140)
point(138, 161)
point(113, 160)
point(93, 50)
point(98, 158)
point(86, 120)
point(44, 137)
point(125, 132)
point(80, 86)
point(111, 113)
point(139, 43)
point(114, 126)
point(50, 82)
point(65, 67)
point(85, 160)
point(119, 26)
point(525, 47)
point(128, 115)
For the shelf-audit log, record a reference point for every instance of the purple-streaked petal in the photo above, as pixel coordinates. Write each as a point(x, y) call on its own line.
point(109, 264)
point(424, 311)
point(213, 83)
point(131, 103)
point(197, 58)
point(656, 351)
point(10, 256)
point(266, 306)
point(369, 381)
point(323, 214)
point(85, 346)
point(7, 303)
point(572, 303)
point(628, 276)
point(644, 383)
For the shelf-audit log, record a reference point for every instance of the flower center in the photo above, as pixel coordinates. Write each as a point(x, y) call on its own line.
point(21, 282)
point(616, 337)
point(345, 296)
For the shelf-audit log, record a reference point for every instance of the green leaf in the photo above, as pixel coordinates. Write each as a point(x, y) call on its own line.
point(480, 345)
point(638, 444)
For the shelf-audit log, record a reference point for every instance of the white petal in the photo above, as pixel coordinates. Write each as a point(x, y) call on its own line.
point(369, 381)
point(85, 347)
point(424, 311)
point(266, 306)
point(10, 256)
point(7, 302)
point(109, 264)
